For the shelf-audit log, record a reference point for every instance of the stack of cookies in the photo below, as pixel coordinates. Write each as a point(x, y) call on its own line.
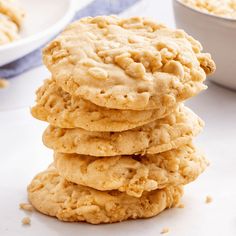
point(11, 20)
point(122, 138)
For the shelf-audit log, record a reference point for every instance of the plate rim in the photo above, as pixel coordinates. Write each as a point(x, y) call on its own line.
point(68, 14)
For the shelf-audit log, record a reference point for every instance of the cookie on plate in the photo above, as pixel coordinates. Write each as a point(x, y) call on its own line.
point(161, 135)
point(132, 174)
point(52, 195)
point(12, 9)
point(8, 30)
point(61, 109)
point(132, 63)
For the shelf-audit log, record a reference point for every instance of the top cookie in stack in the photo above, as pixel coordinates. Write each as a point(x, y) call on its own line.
point(122, 137)
point(131, 63)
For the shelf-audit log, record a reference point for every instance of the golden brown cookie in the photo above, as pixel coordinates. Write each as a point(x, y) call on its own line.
point(52, 195)
point(61, 109)
point(133, 174)
point(12, 9)
point(170, 132)
point(133, 63)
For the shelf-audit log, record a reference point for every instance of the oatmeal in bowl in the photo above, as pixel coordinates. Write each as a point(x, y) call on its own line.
point(213, 23)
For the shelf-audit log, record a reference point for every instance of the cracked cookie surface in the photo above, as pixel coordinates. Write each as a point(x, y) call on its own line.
point(52, 195)
point(133, 174)
point(161, 135)
point(133, 63)
point(61, 109)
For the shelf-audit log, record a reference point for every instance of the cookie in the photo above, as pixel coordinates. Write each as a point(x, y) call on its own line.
point(161, 135)
point(133, 63)
point(52, 195)
point(8, 30)
point(12, 9)
point(61, 109)
point(132, 174)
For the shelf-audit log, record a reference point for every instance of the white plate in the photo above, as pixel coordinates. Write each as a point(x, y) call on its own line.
point(44, 19)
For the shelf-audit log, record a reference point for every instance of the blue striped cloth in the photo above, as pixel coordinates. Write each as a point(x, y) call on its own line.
point(34, 59)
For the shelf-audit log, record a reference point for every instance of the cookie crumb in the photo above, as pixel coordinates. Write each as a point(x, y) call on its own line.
point(26, 221)
point(165, 231)
point(26, 206)
point(208, 199)
point(3, 83)
point(181, 205)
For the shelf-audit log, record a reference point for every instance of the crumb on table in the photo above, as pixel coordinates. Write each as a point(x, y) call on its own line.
point(180, 205)
point(165, 230)
point(26, 221)
point(3, 83)
point(208, 199)
point(26, 206)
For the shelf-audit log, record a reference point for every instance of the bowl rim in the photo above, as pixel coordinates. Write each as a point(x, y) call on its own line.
point(221, 18)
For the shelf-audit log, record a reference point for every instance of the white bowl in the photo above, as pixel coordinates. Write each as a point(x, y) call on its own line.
point(218, 37)
point(44, 19)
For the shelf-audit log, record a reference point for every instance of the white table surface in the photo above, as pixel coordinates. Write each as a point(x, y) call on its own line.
point(23, 155)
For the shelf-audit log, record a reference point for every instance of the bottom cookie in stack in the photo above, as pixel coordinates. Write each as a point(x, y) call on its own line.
point(111, 189)
point(53, 195)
